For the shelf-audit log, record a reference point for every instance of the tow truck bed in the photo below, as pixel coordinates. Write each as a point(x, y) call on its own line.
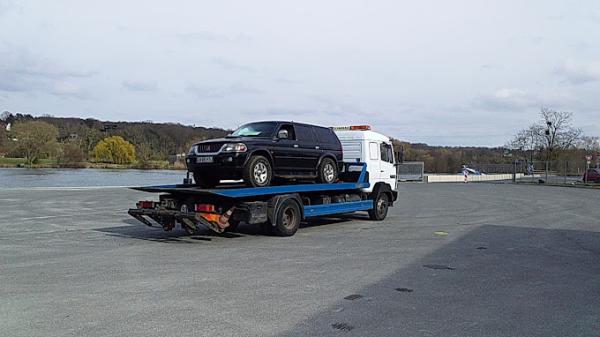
point(280, 206)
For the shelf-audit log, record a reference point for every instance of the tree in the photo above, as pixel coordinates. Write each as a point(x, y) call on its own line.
point(559, 134)
point(114, 150)
point(144, 155)
point(70, 154)
point(3, 139)
point(551, 134)
point(589, 144)
point(35, 139)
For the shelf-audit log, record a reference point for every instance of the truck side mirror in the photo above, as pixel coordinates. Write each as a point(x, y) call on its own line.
point(282, 134)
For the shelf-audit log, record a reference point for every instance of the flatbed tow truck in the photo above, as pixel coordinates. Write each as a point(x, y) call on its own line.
point(280, 209)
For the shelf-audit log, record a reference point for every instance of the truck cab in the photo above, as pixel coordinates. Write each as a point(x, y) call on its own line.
point(361, 144)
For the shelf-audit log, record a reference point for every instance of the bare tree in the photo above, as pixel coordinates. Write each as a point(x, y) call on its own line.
point(589, 144)
point(559, 133)
point(552, 133)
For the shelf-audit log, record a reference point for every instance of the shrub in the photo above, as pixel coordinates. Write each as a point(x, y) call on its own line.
point(115, 150)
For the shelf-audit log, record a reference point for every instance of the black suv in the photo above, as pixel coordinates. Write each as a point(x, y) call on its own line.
point(258, 152)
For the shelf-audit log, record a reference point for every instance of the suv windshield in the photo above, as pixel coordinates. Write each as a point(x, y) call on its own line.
point(261, 129)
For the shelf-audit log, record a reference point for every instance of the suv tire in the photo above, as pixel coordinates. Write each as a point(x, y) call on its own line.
point(327, 172)
point(258, 172)
point(205, 180)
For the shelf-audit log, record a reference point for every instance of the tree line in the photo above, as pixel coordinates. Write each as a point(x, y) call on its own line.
point(74, 140)
point(71, 140)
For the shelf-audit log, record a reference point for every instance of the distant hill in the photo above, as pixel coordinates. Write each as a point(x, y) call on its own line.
point(163, 139)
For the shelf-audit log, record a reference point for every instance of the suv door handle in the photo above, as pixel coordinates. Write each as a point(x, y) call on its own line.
point(392, 176)
point(316, 147)
point(295, 145)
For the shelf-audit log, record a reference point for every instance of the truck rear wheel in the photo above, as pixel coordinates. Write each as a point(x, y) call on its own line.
point(380, 207)
point(288, 218)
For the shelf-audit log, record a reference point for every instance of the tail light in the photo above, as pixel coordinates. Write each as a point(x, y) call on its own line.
point(145, 204)
point(204, 208)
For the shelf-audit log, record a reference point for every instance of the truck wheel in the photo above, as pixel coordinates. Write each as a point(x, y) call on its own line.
point(205, 181)
point(258, 172)
point(288, 218)
point(327, 173)
point(380, 207)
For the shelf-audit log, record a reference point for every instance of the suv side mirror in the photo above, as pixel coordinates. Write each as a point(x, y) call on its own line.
point(282, 134)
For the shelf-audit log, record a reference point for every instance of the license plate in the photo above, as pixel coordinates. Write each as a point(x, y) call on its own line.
point(204, 160)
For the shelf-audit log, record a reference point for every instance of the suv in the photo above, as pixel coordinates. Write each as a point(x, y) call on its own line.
point(258, 152)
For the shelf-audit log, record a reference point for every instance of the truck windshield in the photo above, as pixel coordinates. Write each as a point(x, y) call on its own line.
point(261, 129)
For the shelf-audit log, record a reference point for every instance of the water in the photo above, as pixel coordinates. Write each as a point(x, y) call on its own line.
point(23, 178)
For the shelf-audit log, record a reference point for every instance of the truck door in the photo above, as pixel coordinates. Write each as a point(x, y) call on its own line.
point(387, 167)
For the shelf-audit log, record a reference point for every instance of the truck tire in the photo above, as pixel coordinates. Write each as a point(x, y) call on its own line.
point(327, 172)
point(287, 219)
point(205, 180)
point(258, 172)
point(380, 207)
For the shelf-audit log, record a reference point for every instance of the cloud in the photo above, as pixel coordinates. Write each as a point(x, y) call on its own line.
point(230, 65)
point(139, 86)
point(213, 37)
point(7, 6)
point(506, 99)
point(578, 73)
point(21, 71)
point(518, 100)
point(221, 92)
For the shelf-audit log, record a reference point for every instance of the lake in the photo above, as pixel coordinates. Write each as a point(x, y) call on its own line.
point(24, 177)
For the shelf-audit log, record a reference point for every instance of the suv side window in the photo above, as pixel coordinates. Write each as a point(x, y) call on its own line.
point(305, 133)
point(325, 135)
point(386, 152)
point(290, 130)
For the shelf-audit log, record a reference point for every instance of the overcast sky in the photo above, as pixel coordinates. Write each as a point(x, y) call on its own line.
point(440, 72)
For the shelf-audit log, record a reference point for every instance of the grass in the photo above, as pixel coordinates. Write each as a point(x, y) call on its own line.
point(19, 162)
point(46, 163)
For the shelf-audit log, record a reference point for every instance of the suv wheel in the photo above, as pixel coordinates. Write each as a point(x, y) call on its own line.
point(258, 172)
point(328, 172)
point(205, 180)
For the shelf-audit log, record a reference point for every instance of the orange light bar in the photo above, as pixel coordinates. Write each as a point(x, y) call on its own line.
point(352, 128)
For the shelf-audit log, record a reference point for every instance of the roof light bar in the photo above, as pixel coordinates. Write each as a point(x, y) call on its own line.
point(352, 128)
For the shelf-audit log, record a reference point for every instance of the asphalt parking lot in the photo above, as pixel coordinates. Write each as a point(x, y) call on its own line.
point(507, 260)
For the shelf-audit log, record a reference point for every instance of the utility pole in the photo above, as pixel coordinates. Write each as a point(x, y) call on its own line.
point(549, 147)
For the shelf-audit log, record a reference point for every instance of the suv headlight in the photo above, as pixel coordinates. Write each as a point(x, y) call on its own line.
point(234, 147)
point(192, 149)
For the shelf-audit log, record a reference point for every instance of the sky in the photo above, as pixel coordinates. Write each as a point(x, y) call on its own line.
point(437, 72)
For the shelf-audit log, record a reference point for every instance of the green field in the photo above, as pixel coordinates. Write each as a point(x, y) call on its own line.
point(15, 162)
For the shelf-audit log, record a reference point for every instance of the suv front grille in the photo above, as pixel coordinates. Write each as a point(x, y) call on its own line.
point(209, 148)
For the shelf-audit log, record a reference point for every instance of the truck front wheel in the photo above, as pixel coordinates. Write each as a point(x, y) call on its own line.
point(288, 218)
point(380, 207)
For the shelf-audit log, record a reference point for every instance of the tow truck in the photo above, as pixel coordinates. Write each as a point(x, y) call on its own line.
point(367, 183)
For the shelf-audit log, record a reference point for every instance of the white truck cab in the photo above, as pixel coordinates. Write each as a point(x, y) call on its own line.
point(361, 144)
